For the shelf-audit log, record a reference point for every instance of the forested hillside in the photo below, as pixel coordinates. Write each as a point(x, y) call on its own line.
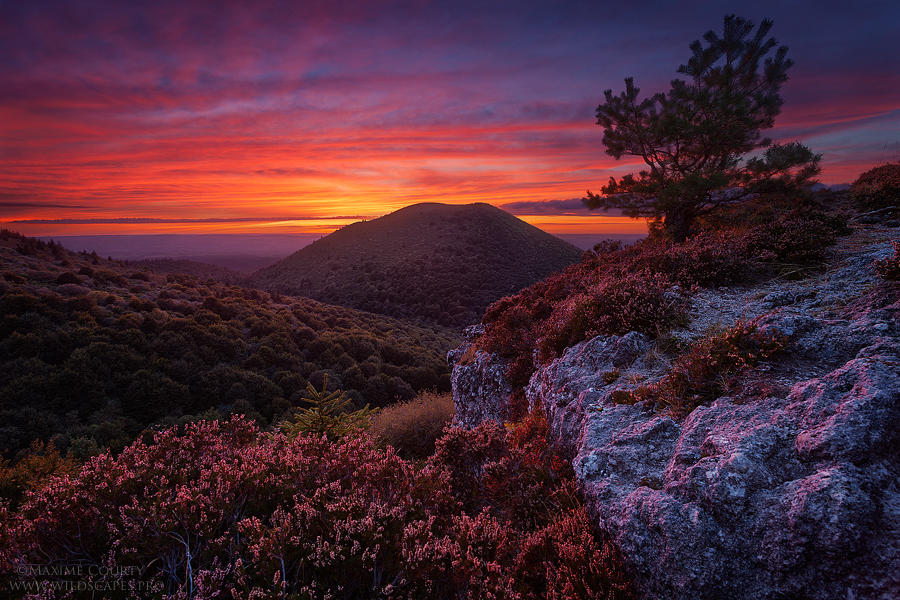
point(183, 266)
point(94, 351)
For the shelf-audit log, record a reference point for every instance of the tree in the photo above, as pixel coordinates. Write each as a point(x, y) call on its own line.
point(694, 137)
point(328, 415)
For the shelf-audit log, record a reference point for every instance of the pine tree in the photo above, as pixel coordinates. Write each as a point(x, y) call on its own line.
point(328, 414)
point(694, 137)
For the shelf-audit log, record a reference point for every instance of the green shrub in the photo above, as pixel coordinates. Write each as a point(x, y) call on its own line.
point(413, 426)
point(328, 415)
point(33, 469)
point(68, 277)
point(231, 365)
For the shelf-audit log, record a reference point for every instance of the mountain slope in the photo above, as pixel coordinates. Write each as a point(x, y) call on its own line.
point(94, 351)
point(437, 262)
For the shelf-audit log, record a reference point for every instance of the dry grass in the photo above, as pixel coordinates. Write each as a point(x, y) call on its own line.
point(412, 427)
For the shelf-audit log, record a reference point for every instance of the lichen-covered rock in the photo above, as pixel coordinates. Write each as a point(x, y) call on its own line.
point(767, 499)
point(583, 377)
point(481, 389)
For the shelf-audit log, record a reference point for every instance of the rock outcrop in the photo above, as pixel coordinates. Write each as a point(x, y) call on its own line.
point(789, 492)
point(481, 391)
point(765, 499)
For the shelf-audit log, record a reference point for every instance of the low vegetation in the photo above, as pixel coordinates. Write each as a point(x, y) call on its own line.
point(646, 287)
point(878, 188)
point(93, 352)
point(412, 427)
point(222, 509)
point(200, 270)
point(707, 369)
point(889, 268)
point(34, 469)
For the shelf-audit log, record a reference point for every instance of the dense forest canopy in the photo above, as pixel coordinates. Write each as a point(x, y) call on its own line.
point(94, 351)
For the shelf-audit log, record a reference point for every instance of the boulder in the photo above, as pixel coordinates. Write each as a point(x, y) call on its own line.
point(583, 378)
point(481, 389)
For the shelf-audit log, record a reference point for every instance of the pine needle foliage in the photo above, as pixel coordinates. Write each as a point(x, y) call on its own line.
point(328, 414)
point(698, 138)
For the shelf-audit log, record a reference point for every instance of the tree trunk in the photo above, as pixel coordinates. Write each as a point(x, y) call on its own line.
point(678, 224)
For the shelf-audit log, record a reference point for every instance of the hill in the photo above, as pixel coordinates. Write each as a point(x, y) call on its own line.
point(93, 351)
point(436, 262)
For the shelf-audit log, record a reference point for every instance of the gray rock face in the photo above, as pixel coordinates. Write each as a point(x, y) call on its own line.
point(766, 499)
point(785, 494)
point(582, 380)
point(481, 390)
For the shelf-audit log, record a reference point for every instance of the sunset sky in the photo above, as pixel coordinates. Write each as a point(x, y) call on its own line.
point(132, 117)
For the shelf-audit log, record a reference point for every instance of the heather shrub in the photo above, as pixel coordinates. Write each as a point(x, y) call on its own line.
point(467, 558)
point(796, 240)
point(478, 558)
point(464, 454)
point(8, 543)
point(889, 268)
point(708, 258)
point(640, 302)
point(577, 304)
point(412, 427)
point(220, 509)
point(512, 336)
point(611, 376)
point(568, 560)
point(878, 188)
point(617, 289)
point(705, 371)
point(782, 242)
point(313, 515)
point(510, 471)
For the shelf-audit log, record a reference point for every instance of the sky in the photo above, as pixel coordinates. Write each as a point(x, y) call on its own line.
point(230, 117)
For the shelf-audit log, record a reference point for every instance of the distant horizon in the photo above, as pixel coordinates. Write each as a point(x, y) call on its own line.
point(565, 217)
point(244, 252)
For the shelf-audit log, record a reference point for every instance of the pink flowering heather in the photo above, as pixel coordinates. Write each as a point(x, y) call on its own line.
point(222, 510)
